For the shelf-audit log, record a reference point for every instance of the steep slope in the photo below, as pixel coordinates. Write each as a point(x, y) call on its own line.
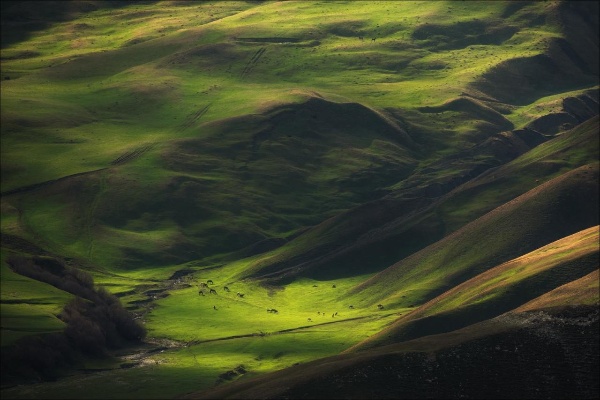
point(499, 289)
point(567, 63)
point(425, 208)
point(553, 210)
point(582, 291)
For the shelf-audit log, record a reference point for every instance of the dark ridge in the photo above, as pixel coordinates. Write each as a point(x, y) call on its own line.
point(513, 6)
point(521, 81)
point(350, 28)
point(580, 25)
point(21, 55)
point(515, 296)
point(461, 34)
point(530, 137)
point(365, 241)
point(575, 110)
point(474, 109)
point(579, 108)
point(551, 124)
point(568, 63)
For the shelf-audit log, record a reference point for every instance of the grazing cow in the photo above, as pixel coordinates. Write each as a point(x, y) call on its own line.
point(209, 282)
point(333, 286)
point(380, 306)
point(372, 40)
point(202, 284)
point(350, 306)
point(332, 315)
point(213, 291)
point(335, 313)
point(318, 312)
point(314, 285)
point(200, 293)
point(214, 307)
point(240, 294)
point(309, 320)
point(361, 38)
point(272, 310)
point(226, 289)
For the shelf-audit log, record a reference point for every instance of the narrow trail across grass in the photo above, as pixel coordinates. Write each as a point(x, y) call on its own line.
point(283, 331)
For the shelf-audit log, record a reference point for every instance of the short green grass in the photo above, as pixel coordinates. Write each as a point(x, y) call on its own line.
point(85, 92)
point(91, 119)
point(267, 341)
point(28, 306)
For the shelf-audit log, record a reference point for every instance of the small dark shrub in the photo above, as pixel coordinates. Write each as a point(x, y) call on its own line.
point(35, 358)
point(95, 322)
point(86, 335)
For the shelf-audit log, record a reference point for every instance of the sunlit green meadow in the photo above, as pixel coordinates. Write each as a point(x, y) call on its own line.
point(240, 332)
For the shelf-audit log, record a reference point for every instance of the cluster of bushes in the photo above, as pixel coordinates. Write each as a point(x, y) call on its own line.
point(95, 323)
point(55, 273)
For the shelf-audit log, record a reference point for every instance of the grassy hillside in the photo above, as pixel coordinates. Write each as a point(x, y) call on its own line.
point(501, 289)
point(519, 226)
point(471, 361)
point(317, 158)
point(376, 234)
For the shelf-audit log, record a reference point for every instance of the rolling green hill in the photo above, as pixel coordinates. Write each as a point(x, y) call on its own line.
point(309, 198)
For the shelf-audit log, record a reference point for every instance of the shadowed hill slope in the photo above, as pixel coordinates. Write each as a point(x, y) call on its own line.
point(553, 210)
point(379, 233)
point(567, 63)
point(499, 289)
point(20, 19)
point(297, 164)
point(581, 291)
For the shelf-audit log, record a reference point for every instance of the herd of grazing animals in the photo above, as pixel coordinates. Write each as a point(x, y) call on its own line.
point(203, 285)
